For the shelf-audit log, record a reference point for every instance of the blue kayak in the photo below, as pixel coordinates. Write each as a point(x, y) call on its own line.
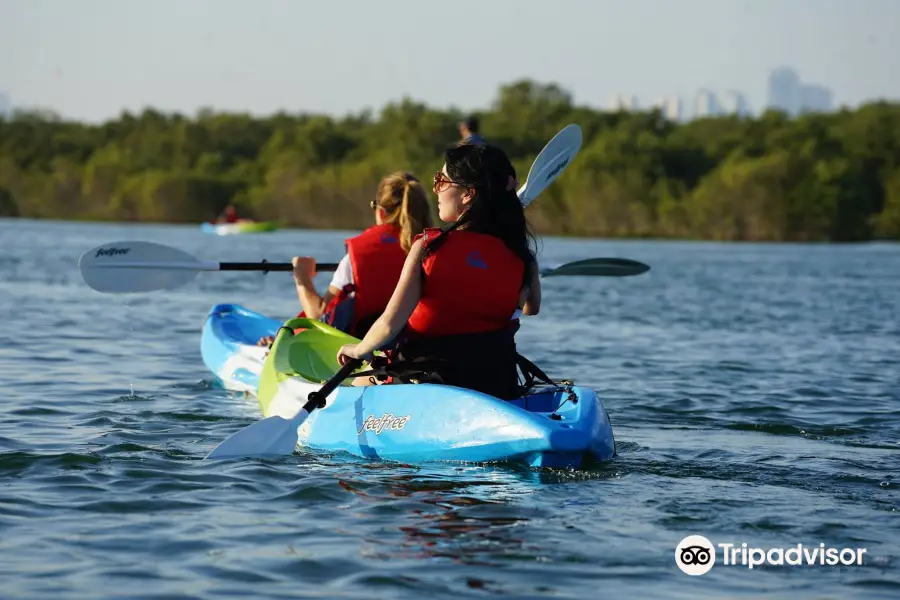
point(558, 426)
point(228, 345)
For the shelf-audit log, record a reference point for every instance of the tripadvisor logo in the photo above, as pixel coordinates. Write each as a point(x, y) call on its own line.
point(696, 555)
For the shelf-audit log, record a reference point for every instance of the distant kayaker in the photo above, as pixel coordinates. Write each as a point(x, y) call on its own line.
point(366, 276)
point(460, 285)
point(229, 215)
point(468, 131)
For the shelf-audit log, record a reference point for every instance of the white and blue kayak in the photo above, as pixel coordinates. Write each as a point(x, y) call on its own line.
point(229, 347)
point(558, 426)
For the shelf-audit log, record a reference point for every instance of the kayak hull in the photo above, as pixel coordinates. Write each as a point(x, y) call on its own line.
point(228, 345)
point(236, 228)
point(557, 427)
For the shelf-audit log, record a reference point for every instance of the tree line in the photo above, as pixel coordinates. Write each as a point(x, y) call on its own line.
point(816, 177)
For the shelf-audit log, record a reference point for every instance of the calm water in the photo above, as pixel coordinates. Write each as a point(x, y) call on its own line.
point(754, 392)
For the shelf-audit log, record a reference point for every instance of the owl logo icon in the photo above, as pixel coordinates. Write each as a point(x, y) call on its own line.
point(695, 555)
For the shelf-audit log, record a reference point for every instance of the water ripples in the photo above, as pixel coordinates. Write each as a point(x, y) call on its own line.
point(754, 391)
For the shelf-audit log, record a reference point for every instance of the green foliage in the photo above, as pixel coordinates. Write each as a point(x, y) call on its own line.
point(887, 222)
point(818, 177)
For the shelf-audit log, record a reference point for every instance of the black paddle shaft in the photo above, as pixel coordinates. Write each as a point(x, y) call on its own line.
point(265, 266)
point(317, 399)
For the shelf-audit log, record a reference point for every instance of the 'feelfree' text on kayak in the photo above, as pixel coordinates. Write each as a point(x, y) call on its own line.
point(385, 421)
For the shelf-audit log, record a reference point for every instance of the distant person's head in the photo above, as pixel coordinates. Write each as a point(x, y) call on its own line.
point(476, 191)
point(468, 127)
point(401, 199)
point(230, 210)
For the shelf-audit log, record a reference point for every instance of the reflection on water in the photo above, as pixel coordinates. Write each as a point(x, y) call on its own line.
point(469, 521)
point(446, 522)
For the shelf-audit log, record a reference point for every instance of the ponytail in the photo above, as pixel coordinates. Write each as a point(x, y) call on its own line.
point(405, 203)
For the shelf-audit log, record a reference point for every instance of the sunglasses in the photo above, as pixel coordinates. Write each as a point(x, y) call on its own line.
point(442, 182)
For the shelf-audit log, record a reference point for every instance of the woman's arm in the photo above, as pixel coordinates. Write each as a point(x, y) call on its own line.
point(304, 272)
point(313, 304)
point(401, 305)
point(531, 303)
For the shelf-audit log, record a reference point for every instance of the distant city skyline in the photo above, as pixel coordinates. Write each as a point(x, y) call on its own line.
point(93, 59)
point(786, 92)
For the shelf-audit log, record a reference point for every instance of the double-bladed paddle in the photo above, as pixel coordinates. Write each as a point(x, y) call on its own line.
point(129, 267)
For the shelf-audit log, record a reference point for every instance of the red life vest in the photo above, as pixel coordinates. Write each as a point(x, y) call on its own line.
point(471, 284)
point(376, 259)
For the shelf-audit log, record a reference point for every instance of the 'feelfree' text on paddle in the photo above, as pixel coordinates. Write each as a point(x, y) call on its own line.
point(557, 169)
point(111, 252)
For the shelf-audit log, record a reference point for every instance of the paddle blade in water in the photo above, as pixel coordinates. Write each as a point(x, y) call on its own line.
point(127, 267)
point(551, 162)
point(599, 267)
point(272, 436)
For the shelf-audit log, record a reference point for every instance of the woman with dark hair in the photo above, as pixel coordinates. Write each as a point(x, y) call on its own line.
point(461, 285)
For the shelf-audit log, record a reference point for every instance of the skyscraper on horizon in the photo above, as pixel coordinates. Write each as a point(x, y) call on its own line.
point(706, 104)
point(670, 107)
point(789, 94)
point(784, 90)
point(735, 103)
point(627, 102)
point(815, 98)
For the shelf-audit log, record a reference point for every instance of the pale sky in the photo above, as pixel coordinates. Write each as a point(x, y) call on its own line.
point(91, 59)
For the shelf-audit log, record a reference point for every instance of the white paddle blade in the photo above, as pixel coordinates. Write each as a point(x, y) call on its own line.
point(272, 436)
point(551, 162)
point(130, 267)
